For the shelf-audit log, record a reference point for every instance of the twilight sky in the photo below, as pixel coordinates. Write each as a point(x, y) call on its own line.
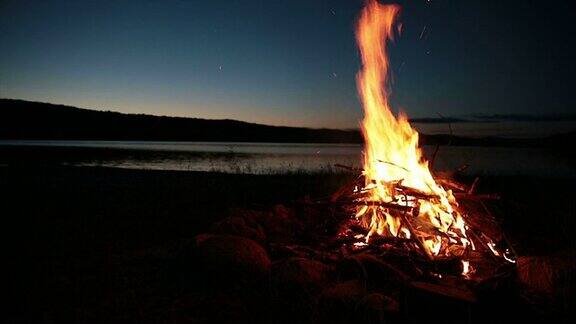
point(286, 62)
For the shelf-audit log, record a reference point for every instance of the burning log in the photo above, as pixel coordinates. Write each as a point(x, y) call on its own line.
point(452, 184)
point(379, 240)
point(393, 206)
point(415, 193)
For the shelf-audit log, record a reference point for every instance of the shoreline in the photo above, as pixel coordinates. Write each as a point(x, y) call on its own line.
point(288, 160)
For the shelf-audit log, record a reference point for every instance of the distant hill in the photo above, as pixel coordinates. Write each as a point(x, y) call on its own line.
point(26, 120)
point(21, 119)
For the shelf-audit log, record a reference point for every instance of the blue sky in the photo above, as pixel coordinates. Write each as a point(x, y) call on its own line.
point(284, 62)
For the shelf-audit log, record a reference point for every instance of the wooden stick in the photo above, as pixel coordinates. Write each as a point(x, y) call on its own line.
point(453, 184)
point(433, 158)
point(358, 203)
point(374, 240)
point(415, 192)
point(348, 167)
point(389, 239)
point(473, 186)
point(418, 240)
point(476, 197)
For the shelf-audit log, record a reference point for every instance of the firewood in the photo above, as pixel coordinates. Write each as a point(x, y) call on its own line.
point(358, 203)
point(452, 184)
point(416, 193)
point(378, 239)
point(418, 241)
point(446, 291)
point(475, 197)
point(473, 186)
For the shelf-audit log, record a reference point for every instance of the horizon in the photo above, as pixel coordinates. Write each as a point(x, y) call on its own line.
point(505, 126)
point(285, 63)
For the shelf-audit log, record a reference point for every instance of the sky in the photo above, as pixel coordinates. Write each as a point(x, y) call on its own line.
point(286, 62)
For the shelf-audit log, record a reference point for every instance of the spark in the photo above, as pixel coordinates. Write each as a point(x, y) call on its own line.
point(423, 31)
point(401, 66)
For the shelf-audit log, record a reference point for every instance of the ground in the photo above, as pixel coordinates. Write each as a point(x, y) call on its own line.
point(100, 244)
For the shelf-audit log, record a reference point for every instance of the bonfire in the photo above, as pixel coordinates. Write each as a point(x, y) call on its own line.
point(399, 196)
point(397, 234)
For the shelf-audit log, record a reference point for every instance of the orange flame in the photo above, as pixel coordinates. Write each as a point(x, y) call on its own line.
point(392, 157)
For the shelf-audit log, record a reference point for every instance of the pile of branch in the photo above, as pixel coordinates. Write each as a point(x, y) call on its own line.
point(483, 230)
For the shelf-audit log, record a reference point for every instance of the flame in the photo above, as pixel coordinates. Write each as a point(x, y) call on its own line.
point(394, 167)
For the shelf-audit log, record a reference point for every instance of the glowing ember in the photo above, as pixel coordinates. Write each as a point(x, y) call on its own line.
point(394, 168)
point(465, 268)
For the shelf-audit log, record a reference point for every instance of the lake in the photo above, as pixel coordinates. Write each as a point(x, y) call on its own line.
point(261, 158)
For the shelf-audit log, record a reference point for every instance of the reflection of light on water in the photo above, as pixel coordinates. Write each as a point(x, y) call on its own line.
point(278, 157)
point(254, 164)
point(496, 161)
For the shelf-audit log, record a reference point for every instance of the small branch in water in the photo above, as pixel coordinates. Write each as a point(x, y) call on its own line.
point(433, 159)
point(348, 167)
point(449, 128)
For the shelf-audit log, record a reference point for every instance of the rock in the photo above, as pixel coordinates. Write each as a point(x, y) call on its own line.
point(240, 226)
point(376, 273)
point(377, 308)
point(547, 274)
point(231, 261)
point(337, 303)
point(281, 224)
point(299, 276)
point(296, 283)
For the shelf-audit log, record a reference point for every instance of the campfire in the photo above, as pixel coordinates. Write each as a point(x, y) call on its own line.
point(398, 231)
point(398, 198)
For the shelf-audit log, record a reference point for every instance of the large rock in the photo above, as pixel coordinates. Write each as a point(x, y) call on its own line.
point(296, 283)
point(240, 226)
point(337, 303)
point(299, 276)
point(281, 224)
point(232, 261)
point(377, 308)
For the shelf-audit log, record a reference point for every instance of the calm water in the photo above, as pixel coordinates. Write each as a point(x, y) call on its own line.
point(281, 157)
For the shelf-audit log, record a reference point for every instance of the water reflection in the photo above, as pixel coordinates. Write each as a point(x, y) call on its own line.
point(279, 157)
